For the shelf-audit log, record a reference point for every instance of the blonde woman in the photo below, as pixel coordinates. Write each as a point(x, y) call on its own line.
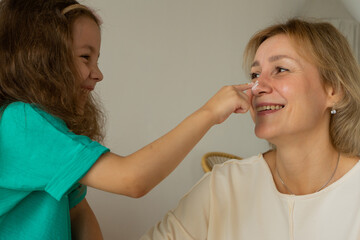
point(305, 102)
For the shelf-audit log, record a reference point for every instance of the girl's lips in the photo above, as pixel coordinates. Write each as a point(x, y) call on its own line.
point(88, 88)
point(86, 91)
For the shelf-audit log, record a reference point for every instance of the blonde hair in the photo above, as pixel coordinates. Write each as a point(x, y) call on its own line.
point(37, 62)
point(323, 45)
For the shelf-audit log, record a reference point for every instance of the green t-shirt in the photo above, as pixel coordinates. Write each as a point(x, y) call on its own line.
point(41, 162)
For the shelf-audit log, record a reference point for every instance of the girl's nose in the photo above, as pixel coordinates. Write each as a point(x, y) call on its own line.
point(96, 74)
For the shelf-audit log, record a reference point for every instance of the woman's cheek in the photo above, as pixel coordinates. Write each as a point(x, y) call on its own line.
point(251, 99)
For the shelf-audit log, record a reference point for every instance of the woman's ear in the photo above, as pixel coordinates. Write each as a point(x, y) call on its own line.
point(334, 95)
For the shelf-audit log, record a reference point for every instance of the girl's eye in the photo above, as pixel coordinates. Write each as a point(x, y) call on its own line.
point(86, 57)
point(254, 75)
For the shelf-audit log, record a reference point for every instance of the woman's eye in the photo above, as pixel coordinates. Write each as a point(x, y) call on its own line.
point(254, 75)
point(281, 69)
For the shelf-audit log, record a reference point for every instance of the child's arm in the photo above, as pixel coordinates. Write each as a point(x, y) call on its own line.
point(138, 173)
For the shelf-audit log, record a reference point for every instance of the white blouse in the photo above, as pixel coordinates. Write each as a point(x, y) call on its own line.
point(239, 200)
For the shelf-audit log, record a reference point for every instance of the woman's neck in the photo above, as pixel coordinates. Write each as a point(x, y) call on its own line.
point(303, 162)
point(305, 171)
point(304, 166)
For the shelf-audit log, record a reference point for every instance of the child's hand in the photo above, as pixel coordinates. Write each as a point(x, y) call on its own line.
point(230, 99)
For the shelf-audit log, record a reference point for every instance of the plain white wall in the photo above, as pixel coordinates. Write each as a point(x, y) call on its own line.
point(161, 60)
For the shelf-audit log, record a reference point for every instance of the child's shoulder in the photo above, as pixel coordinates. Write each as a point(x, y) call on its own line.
point(18, 108)
point(21, 112)
point(13, 106)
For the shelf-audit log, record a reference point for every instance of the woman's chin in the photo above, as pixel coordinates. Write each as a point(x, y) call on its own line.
point(265, 133)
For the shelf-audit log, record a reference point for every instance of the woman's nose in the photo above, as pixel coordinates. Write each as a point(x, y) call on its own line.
point(261, 86)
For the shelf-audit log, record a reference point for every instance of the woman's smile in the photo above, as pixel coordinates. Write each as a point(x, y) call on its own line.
point(268, 108)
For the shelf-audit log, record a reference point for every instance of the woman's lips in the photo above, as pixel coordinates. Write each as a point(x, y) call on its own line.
point(267, 108)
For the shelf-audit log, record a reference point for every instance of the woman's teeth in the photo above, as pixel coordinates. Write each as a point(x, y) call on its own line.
point(270, 107)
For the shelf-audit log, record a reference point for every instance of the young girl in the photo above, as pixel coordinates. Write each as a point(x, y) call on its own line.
point(50, 125)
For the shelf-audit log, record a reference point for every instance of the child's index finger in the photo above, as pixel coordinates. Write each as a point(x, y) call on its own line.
point(244, 86)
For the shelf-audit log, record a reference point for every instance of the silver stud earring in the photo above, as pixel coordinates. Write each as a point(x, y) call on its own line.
point(333, 111)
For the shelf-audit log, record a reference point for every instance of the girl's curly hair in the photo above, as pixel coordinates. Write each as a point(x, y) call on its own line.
point(37, 62)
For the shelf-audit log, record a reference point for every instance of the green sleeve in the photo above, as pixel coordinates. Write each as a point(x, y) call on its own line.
point(38, 152)
point(76, 194)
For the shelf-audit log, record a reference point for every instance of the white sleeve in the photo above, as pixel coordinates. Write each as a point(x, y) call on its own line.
point(190, 219)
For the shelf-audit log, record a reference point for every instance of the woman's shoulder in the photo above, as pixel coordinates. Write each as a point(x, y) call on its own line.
point(240, 167)
point(242, 162)
point(240, 176)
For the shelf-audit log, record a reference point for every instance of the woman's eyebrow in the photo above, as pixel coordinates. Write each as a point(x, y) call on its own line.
point(274, 59)
point(278, 57)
